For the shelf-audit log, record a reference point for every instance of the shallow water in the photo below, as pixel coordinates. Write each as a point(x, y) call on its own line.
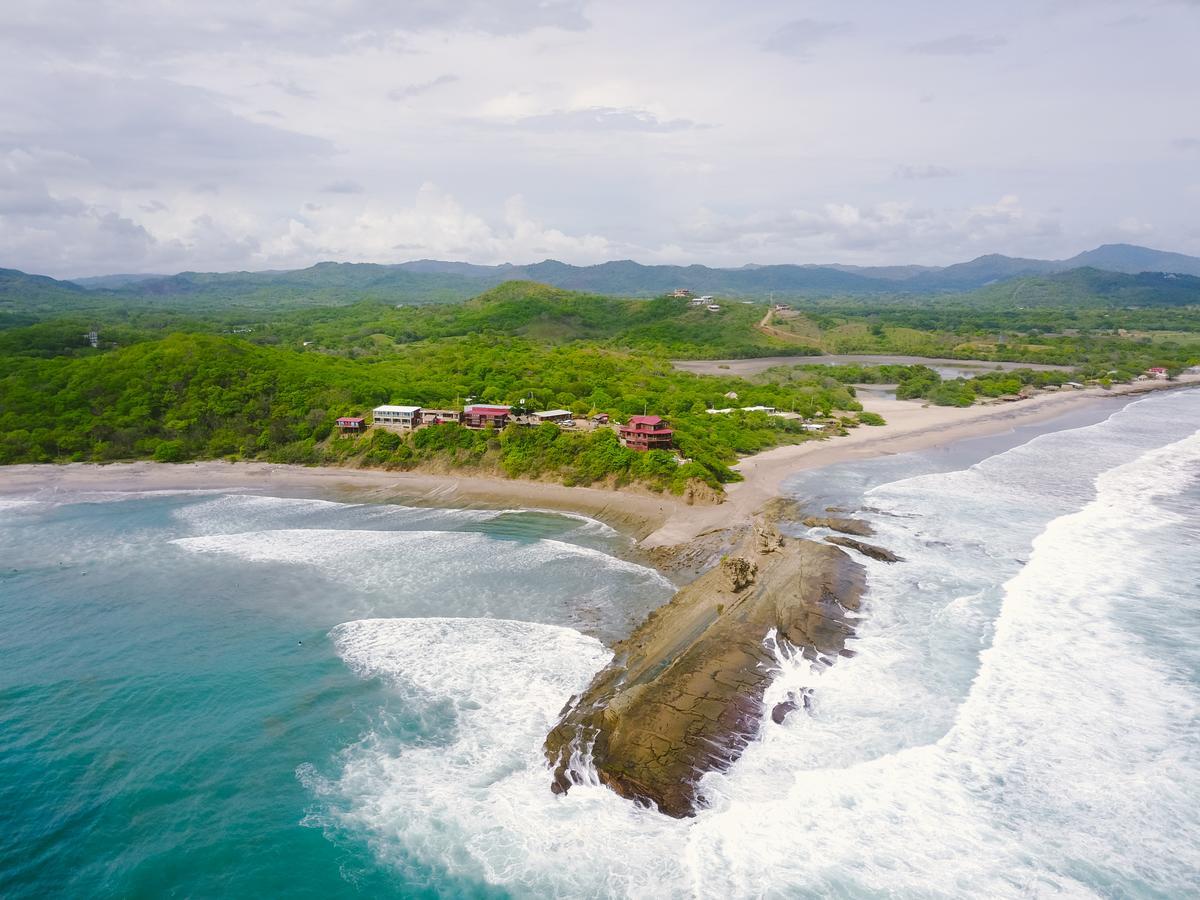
point(1022, 716)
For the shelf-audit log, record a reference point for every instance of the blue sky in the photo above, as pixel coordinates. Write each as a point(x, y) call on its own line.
point(162, 136)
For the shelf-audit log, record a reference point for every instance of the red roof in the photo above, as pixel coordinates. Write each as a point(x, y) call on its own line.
point(348, 419)
point(644, 420)
point(488, 410)
point(630, 431)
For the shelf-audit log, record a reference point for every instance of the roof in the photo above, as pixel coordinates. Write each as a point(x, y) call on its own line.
point(629, 432)
point(644, 420)
point(488, 410)
point(553, 412)
point(350, 419)
point(397, 410)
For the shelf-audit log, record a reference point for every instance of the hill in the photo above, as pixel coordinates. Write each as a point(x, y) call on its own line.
point(1089, 287)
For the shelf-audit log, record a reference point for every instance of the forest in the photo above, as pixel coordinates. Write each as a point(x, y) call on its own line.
point(178, 383)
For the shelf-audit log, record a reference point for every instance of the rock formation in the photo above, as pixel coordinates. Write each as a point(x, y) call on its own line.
point(836, 523)
point(683, 694)
point(875, 552)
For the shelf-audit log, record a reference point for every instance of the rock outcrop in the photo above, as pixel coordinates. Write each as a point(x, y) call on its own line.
point(872, 550)
point(683, 694)
point(837, 523)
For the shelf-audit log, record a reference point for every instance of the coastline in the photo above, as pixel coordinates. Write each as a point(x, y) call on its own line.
point(654, 521)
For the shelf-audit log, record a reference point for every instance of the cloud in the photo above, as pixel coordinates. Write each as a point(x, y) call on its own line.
point(136, 28)
point(838, 231)
point(800, 37)
point(346, 186)
point(603, 118)
point(1186, 143)
point(959, 45)
point(435, 225)
point(409, 91)
point(292, 89)
point(923, 173)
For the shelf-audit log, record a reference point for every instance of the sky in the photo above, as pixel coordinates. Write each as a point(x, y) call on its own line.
point(167, 135)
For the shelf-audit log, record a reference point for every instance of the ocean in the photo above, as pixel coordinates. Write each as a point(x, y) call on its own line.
point(225, 693)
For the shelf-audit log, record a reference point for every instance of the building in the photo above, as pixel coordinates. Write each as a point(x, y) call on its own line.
point(397, 418)
point(681, 292)
point(481, 416)
point(1157, 372)
point(440, 416)
point(351, 424)
point(600, 418)
point(713, 307)
point(646, 433)
point(552, 415)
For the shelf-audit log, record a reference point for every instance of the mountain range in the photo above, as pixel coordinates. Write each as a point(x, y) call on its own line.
point(426, 281)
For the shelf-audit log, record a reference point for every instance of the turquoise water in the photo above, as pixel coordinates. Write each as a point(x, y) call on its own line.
point(217, 694)
point(158, 699)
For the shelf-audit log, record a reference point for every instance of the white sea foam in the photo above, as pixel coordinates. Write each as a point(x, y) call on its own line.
point(1006, 728)
point(481, 807)
point(383, 552)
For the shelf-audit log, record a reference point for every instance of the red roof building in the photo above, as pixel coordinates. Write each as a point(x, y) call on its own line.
point(351, 424)
point(646, 433)
point(483, 416)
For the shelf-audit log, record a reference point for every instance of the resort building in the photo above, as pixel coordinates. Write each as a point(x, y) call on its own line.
point(1157, 372)
point(351, 424)
point(397, 418)
point(478, 416)
point(440, 416)
point(646, 433)
point(552, 415)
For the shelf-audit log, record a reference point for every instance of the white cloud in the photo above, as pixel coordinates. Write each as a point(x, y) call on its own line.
point(137, 134)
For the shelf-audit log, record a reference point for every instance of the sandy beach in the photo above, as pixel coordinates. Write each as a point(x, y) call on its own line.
point(655, 520)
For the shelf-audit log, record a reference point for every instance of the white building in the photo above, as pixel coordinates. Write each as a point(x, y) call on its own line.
point(553, 415)
point(403, 418)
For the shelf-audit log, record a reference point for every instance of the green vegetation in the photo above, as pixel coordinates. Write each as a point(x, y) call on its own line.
point(189, 396)
point(182, 380)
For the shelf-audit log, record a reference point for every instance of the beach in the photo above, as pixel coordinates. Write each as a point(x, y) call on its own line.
point(198, 656)
point(654, 520)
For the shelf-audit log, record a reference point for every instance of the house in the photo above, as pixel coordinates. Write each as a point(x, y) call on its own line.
point(1157, 372)
point(552, 415)
point(351, 424)
point(681, 292)
point(600, 418)
point(397, 418)
point(713, 307)
point(646, 433)
point(440, 416)
point(481, 416)
point(707, 298)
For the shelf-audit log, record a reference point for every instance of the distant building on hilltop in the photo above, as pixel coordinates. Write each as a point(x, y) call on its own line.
point(681, 292)
point(646, 433)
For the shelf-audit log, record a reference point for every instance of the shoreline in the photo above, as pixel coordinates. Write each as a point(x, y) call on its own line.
point(653, 521)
